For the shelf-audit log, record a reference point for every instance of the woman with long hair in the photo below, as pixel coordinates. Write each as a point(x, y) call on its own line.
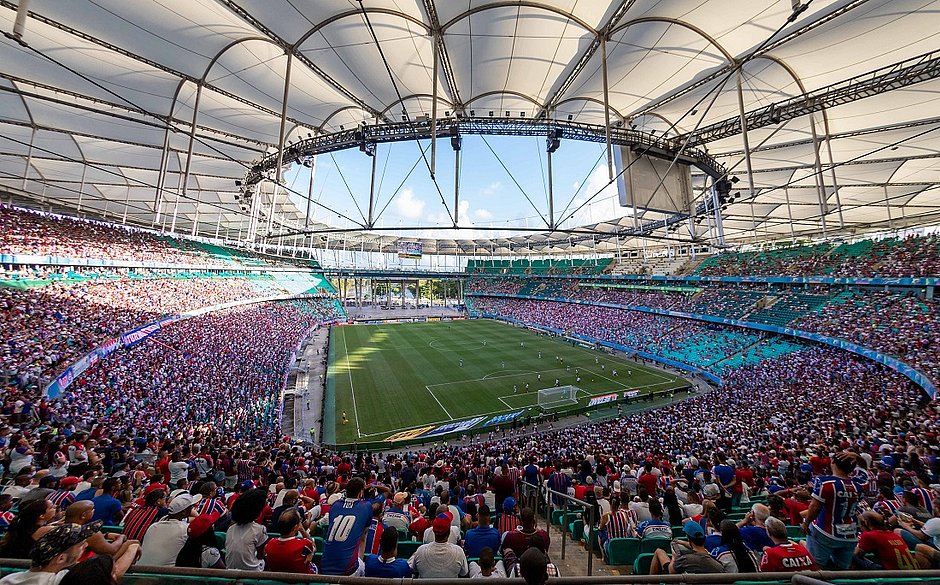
point(673, 509)
point(21, 536)
point(732, 554)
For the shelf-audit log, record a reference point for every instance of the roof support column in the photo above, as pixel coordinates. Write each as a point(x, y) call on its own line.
point(279, 172)
point(832, 170)
point(888, 208)
point(434, 106)
point(610, 158)
point(313, 161)
point(818, 175)
point(81, 188)
point(127, 199)
point(189, 156)
point(375, 156)
point(747, 146)
point(786, 193)
point(29, 158)
point(161, 177)
point(176, 204)
point(456, 185)
point(218, 224)
point(719, 226)
point(551, 195)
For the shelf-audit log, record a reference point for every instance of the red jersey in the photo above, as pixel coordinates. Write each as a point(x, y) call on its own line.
point(890, 550)
point(648, 481)
point(289, 556)
point(787, 557)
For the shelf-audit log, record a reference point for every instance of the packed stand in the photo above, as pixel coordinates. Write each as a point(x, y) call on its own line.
point(814, 431)
point(46, 329)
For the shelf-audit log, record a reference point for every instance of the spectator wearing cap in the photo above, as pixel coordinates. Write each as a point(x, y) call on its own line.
point(140, 518)
point(889, 550)
point(57, 553)
point(483, 536)
point(508, 520)
point(520, 539)
point(440, 559)
point(113, 545)
point(830, 521)
point(201, 550)
point(386, 564)
point(454, 535)
point(65, 495)
point(688, 556)
point(165, 538)
point(290, 552)
point(397, 517)
point(785, 555)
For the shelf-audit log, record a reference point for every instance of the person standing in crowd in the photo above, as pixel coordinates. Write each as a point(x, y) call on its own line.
point(830, 521)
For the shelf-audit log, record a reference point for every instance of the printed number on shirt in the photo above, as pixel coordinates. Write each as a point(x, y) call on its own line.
point(341, 529)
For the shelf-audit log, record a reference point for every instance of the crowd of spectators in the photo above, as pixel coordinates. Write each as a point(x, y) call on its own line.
point(46, 329)
point(907, 257)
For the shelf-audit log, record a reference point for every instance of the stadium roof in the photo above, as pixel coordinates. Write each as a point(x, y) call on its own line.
point(841, 100)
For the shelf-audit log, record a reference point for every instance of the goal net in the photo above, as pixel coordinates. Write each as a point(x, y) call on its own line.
point(551, 398)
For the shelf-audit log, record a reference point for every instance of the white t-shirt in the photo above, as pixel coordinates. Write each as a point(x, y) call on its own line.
point(33, 578)
point(453, 538)
point(439, 560)
point(178, 470)
point(162, 542)
point(241, 546)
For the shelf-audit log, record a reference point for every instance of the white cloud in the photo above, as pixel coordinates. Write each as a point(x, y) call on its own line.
point(491, 189)
point(409, 206)
point(484, 214)
point(604, 206)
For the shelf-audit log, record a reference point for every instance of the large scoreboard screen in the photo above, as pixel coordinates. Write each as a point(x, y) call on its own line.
point(411, 250)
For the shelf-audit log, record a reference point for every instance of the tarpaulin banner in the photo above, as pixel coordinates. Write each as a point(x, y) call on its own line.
point(502, 418)
point(454, 427)
point(598, 400)
point(411, 434)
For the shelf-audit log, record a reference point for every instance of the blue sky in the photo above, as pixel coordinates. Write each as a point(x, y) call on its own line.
point(488, 194)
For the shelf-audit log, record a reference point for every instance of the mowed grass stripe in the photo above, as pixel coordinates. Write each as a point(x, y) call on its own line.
point(392, 367)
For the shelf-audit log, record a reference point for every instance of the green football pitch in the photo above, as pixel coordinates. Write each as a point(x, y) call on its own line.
point(394, 378)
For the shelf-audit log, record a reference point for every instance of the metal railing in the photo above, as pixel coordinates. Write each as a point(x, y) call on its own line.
point(164, 575)
point(539, 495)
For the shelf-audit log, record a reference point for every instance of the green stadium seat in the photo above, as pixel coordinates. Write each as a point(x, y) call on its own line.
point(576, 529)
point(641, 566)
point(407, 548)
point(795, 532)
point(649, 545)
point(678, 532)
point(220, 538)
point(622, 551)
point(112, 529)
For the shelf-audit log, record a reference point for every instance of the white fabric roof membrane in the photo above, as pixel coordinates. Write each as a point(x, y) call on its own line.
point(86, 103)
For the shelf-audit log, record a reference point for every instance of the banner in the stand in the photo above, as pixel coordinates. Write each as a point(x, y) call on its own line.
point(454, 427)
point(411, 250)
point(631, 393)
point(503, 419)
point(598, 400)
point(137, 335)
point(410, 434)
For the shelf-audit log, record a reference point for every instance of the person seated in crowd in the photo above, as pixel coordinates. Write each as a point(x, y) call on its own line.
point(98, 543)
point(482, 536)
point(521, 538)
point(785, 555)
point(55, 560)
point(688, 556)
point(440, 559)
point(753, 529)
point(732, 553)
point(29, 524)
point(167, 536)
point(140, 518)
point(202, 550)
point(889, 551)
point(655, 527)
point(290, 552)
point(245, 538)
point(386, 564)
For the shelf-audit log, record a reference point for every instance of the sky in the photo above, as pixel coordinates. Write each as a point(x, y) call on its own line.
point(489, 194)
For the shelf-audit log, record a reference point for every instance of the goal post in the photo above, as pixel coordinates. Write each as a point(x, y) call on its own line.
point(557, 397)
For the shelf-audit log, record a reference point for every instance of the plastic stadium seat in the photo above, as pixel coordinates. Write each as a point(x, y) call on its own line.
point(678, 532)
point(650, 545)
point(641, 566)
point(407, 548)
point(622, 551)
point(220, 538)
point(556, 517)
point(795, 532)
point(576, 529)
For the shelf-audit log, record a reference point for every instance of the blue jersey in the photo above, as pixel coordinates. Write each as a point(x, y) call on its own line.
point(349, 521)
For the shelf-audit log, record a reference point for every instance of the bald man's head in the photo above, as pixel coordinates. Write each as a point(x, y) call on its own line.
point(872, 520)
point(79, 512)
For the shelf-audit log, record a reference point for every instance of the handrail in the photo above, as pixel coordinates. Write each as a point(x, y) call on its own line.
point(804, 578)
point(548, 493)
